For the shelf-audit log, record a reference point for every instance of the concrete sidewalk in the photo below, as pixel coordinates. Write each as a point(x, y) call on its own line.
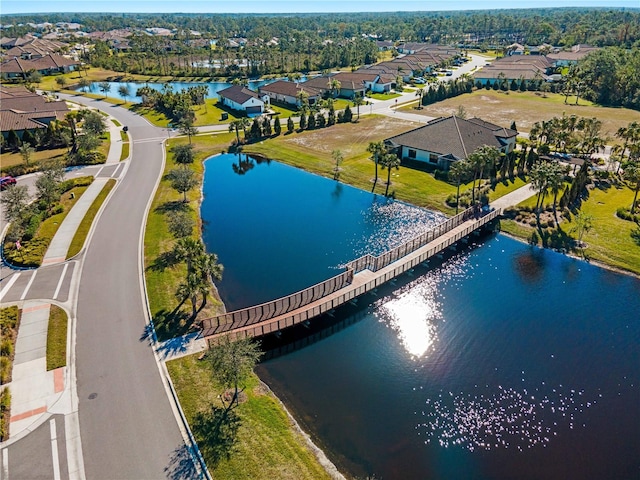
point(513, 198)
point(59, 246)
point(34, 390)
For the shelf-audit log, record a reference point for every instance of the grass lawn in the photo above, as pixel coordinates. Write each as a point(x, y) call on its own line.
point(57, 338)
point(383, 96)
point(11, 159)
point(526, 108)
point(83, 229)
point(311, 151)
point(162, 282)
point(609, 242)
point(33, 251)
point(258, 439)
point(507, 186)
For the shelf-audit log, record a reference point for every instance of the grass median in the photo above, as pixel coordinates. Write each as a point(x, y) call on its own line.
point(57, 338)
point(83, 229)
point(163, 281)
point(255, 440)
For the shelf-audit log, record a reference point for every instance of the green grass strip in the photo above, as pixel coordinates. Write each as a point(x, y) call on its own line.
point(57, 338)
point(125, 151)
point(83, 229)
point(255, 440)
point(116, 122)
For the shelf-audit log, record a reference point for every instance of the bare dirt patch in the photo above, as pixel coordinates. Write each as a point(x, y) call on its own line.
point(526, 108)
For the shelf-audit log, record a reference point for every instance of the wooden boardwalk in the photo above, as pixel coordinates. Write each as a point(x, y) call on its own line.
point(361, 276)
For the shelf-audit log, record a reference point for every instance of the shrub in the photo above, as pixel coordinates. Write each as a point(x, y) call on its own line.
point(625, 214)
point(6, 347)
point(5, 370)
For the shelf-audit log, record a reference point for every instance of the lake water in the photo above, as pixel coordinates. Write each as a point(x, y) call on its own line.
point(278, 230)
point(501, 362)
point(214, 87)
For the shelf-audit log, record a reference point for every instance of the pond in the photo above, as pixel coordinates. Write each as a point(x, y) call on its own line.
point(272, 246)
point(501, 361)
point(214, 87)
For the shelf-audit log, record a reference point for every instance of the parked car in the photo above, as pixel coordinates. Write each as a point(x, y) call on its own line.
point(449, 73)
point(6, 182)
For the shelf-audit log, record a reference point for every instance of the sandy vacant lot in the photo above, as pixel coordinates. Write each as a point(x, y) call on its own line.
point(526, 108)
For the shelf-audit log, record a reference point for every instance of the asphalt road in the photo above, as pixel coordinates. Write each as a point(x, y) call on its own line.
point(127, 424)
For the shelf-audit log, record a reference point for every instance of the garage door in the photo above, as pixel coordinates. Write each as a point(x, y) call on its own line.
point(251, 110)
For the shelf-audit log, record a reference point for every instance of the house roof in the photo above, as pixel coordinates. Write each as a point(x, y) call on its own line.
point(238, 93)
point(21, 109)
point(50, 61)
point(320, 83)
point(524, 72)
point(451, 136)
point(291, 89)
point(498, 131)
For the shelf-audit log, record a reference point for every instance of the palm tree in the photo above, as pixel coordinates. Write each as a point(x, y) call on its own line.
point(457, 172)
point(555, 181)
point(632, 175)
point(236, 125)
point(540, 175)
point(338, 158)
point(482, 158)
point(389, 161)
point(376, 149)
point(190, 289)
point(334, 86)
point(188, 249)
point(420, 93)
point(357, 101)
point(209, 270)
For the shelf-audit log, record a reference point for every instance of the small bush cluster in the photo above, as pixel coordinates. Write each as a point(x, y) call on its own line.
point(5, 405)
point(8, 331)
point(625, 214)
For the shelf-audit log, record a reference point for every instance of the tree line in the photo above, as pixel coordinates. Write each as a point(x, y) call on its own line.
point(557, 26)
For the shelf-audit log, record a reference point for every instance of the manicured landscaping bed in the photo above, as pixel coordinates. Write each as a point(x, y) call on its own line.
point(32, 251)
point(9, 323)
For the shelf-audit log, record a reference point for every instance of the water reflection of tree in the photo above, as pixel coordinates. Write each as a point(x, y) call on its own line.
point(243, 166)
point(530, 265)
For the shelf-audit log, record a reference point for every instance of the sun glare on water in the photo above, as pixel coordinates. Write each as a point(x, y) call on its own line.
point(412, 314)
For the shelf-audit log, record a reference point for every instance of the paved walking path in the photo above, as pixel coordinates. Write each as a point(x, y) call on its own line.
point(513, 198)
point(59, 246)
point(34, 390)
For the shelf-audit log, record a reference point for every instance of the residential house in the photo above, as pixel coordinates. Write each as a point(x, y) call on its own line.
point(525, 68)
point(443, 141)
point(242, 99)
point(21, 109)
point(47, 65)
point(566, 58)
point(287, 92)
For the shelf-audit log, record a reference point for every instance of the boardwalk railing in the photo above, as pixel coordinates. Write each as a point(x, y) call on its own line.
point(282, 306)
point(376, 263)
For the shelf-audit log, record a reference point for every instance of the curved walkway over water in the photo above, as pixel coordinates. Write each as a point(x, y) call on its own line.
point(361, 276)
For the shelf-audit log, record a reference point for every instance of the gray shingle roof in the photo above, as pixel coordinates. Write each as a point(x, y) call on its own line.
point(452, 136)
point(238, 94)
